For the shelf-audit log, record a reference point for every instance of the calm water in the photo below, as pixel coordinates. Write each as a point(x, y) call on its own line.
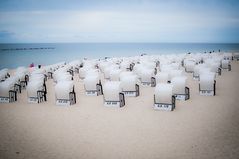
point(14, 55)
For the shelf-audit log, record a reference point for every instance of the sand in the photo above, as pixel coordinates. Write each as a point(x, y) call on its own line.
point(201, 128)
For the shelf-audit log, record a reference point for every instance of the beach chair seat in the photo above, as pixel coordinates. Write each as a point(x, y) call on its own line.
point(113, 96)
point(93, 85)
point(207, 84)
point(8, 93)
point(65, 93)
point(129, 85)
point(180, 91)
point(36, 92)
point(163, 97)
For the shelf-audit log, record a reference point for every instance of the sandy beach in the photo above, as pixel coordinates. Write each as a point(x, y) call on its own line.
point(204, 127)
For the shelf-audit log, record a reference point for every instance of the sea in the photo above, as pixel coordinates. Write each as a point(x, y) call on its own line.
point(23, 54)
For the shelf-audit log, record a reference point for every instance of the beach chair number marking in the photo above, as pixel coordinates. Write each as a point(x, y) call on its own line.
point(112, 103)
point(206, 92)
point(91, 92)
point(167, 107)
point(62, 101)
point(129, 93)
point(180, 97)
point(4, 99)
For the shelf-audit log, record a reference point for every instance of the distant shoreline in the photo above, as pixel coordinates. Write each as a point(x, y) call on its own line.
point(35, 48)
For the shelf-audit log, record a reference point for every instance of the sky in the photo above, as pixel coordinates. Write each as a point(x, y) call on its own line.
point(52, 21)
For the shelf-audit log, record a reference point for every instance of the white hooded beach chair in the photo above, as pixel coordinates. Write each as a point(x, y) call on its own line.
point(36, 92)
point(24, 71)
point(146, 77)
point(207, 84)
point(126, 66)
point(4, 74)
point(236, 56)
point(215, 67)
point(226, 65)
point(7, 91)
point(189, 66)
point(180, 91)
point(93, 85)
point(113, 96)
point(196, 72)
point(65, 93)
point(163, 97)
point(129, 85)
point(83, 71)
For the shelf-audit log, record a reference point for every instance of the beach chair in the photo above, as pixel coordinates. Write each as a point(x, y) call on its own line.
point(189, 66)
point(163, 97)
point(4, 74)
point(93, 85)
point(146, 77)
point(65, 93)
point(215, 67)
point(236, 56)
point(113, 96)
point(196, 72)
point(107, 71)
point(226, 65)
point(8, 93)
point(129, 85)
point(125, 66)
point(83, 71)
point(180, 91)
point(207, 84)
point(36, 92)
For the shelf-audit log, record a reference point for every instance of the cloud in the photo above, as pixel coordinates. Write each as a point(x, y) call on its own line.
point(148, 21)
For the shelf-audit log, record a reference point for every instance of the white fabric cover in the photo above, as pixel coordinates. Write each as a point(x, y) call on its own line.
point(33, 87)
point(162, 77)
point(225, 64)
point(115, 74)
point(62, 89)
point(163, 93)
point(111, 90)
point(207, 81)
point(5, 87)
point(174, 73)
point(189, 65)
point(146, 75)
point(128, 83)
point(90, 82)
point(179, 84)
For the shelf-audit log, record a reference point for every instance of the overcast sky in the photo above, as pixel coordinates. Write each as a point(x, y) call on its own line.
point(119, 21)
